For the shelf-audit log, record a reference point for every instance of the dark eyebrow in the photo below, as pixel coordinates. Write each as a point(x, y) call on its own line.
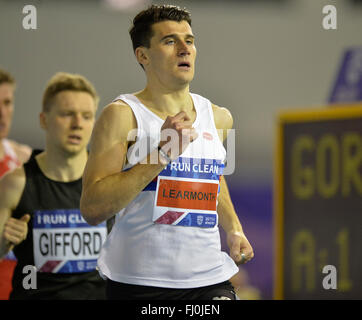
point(174, 36)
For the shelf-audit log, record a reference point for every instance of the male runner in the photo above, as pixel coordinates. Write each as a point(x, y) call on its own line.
point(61, 246)
point(165, 242)
point(12, 155)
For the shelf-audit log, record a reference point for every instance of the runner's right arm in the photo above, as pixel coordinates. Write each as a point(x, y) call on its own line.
point(12, 231)
point(106, 188)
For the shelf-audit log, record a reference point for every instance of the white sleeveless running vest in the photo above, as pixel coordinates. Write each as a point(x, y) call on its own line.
point(168, 236)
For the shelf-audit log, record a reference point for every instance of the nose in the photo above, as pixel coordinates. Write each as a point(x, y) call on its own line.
point(77, 121)
point(183, 49)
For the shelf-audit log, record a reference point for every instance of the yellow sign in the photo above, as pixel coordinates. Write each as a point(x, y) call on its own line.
point(318, 203)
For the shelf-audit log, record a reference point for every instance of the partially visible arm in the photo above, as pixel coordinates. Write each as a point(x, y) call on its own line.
point(228, 219)
point(106, 188)
point(12, 231)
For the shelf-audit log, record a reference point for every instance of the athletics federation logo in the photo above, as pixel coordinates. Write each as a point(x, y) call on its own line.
point(80, 265)
point(200, 220)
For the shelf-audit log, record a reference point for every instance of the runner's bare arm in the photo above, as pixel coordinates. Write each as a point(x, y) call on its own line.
point(228, 217)
point(12, 231)
point(106, 189)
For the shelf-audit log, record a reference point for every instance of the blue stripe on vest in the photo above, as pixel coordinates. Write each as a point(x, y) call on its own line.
point(201, 220)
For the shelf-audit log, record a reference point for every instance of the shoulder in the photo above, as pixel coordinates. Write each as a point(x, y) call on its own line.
point(13, 179)
point(114, 124)
point(22, 151)
point(118, 112)
point(118, 107)
point(118, 115)
point(12, 186)
point(222, 117)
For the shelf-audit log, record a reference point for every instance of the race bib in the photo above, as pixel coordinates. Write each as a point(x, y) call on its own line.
point(186, 193)
point(63, 242)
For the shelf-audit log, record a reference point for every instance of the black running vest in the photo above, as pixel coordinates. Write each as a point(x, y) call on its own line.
point(41, 193)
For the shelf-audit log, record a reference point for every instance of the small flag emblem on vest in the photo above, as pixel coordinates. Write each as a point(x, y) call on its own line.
point(207, 136)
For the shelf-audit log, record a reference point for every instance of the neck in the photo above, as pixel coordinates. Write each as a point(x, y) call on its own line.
point(61, 166)
point(166, 101)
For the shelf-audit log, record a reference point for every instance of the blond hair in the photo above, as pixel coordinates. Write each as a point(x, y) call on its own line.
point(63, 81)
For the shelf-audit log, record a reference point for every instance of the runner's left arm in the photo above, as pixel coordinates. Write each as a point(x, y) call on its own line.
point(228, 219)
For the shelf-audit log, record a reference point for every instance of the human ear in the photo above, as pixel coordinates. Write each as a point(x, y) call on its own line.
point(43, 120)
point(142, 55)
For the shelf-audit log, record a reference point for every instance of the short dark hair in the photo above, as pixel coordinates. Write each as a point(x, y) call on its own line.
point(141, 30)
point(6, 77)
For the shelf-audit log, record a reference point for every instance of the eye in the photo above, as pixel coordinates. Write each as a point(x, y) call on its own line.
point(66, 114)
point(88, 116)
point(170, 41)
point(7, 103)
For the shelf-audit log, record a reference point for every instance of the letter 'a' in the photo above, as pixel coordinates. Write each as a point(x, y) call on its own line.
point(29, 21)
point(29, 281)
point(330, 20)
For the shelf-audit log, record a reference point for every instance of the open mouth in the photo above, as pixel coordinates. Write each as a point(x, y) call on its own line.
point(185, 65)
point(74, 139)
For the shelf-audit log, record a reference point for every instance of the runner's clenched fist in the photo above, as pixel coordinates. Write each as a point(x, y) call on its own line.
point(16, 230)
point(176, 134)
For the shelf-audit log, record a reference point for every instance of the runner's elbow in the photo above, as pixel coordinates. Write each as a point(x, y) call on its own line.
point(95, 212)
point(89, 213)
point(91, 220)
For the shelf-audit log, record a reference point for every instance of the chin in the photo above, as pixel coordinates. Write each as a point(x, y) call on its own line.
point(184, 81)
point(73, 150)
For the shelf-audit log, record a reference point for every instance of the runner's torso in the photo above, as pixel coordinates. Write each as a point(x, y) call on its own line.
point(62, 246)
point(168, 236)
